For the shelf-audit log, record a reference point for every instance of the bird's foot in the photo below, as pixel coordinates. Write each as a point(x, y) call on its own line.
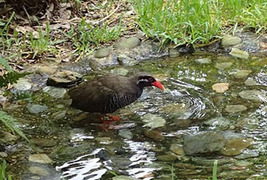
point(108, 120)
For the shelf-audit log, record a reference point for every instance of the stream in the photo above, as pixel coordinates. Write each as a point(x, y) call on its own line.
point(213, 108)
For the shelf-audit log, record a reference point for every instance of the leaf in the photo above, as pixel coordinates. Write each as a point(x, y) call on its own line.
point(12, 124)
point(4, 63)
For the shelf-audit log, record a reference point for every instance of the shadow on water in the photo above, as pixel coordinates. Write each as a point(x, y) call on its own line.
point(194, 126)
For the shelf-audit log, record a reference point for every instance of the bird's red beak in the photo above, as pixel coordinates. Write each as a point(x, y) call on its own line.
point(157, 84)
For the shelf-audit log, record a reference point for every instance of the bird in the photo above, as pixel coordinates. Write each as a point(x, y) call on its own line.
point(110, 92)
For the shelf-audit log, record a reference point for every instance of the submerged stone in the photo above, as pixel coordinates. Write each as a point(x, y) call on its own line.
point(251, 82)
point(223, 65)
point(229, 40)
point(36, 108)
point(129, 43)
point(235, 108)
point(126, 133)
point(204, 142)
point(235, 146)
point(153, 121)
point(123, 178)
point(44, 142)
point(248, 153)
point(39, 171)
point(242, 73)
point(40, 158)
point(218, 123)
point(153, 134)
point(203, 61)
point(254, 95)
point(220, 87)
point(239, 53)
point(177, 149)
point(55, 92)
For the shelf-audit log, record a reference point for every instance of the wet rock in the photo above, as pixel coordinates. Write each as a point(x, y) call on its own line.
point(177, 149)
point(176, 110)
point(203, 61)
point(7, 137)
point(22, 85)
point(153, 134)
point(251, 82)
point(223, 65)
point(203, 161)
point(46, 70)
point(126, 133)
point(98, 63)
point(3, 154)
point(123, 178)
point(126, 60)
point(204, 142)
point(235, 108)
point(40, 158)
point(220, 87)
point(243, 163)
point(254, 95)
point(39, 171)
point(235, 146)
point(64, 78)
point(181, 50)
point(153, 121)
point(59, 115)
point(104, 140)
point(55, 92)
point(44, 142)
point(263, 42)
point(242, 73)
point(120, 71)
point(129, 43)
point(248, 153)
point(166, 158)
point(36, 108)
point(220, 123)
point(239, 53)
point(229, 40)
point(103, 52)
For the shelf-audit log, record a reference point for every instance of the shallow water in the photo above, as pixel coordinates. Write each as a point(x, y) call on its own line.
point(84, 151)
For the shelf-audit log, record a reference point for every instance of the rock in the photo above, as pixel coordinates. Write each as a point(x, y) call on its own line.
point(167, 158)
point(173, 52)
point(203, 61)
point(243, 163)
point(40, 158)
point(254, 95)
point(59, 115)
point(22, 85)
point(44, 142)
point(239, 53)
point(102, 52)
point(263, 43)
point(129, 43)
point(220, 123)
point(3, 154)
point(120, 71)
point(98, 63)
point(126, 60)
point(55, 92)
point(229, 40)
point(176, 110)
point(153, 134)
point(220, 87)
point(235, 146)
point(223, 65)
point(251, 82)
point(46, 70)
point(36, 108)
point(242, 73)
point(123, 178)
point(177, 149)
point(7, 137)
point(248, 153)
point(104, 140)
point(235, 108)
point(204, 142)
point(64, 78)
point(153, 121)
point(126, 133)
point(39, 171)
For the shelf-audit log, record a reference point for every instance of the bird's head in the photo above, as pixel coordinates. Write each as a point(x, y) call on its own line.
point(147, 80)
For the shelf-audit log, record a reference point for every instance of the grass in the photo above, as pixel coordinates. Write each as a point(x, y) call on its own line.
point(201, 21)
point(3, 175)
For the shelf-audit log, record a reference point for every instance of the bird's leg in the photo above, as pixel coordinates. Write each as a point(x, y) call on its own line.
point(113, 118)
point(107, 120)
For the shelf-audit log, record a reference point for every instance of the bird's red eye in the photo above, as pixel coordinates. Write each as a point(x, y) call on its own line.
point(151, 79)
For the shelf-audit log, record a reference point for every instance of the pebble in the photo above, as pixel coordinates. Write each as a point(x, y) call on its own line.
point(251, 82)
point(254, 95)
point(40, 158)
point(167, 158)
point(235, 146)
point(55, 92)
point(22, 85)
point(177, 149)
point(44, 142)
point(120, 71)
point(220, 87)
point(36, 108)
point(126, 133)
point(203, 61)
point(153, 121)
point(235, 108)
point(239, 53)
point(123, 178)
point(153, 134)
point(229, 40)
point(221, 123)
point(242, 73)
point(223, 65)
point(39, 171)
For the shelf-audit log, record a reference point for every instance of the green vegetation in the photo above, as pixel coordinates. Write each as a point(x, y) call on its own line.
point(198, 21)
point(3, 175)
point(214, 171)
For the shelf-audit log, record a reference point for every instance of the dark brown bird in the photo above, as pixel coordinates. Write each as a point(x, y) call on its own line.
point(111, 92)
